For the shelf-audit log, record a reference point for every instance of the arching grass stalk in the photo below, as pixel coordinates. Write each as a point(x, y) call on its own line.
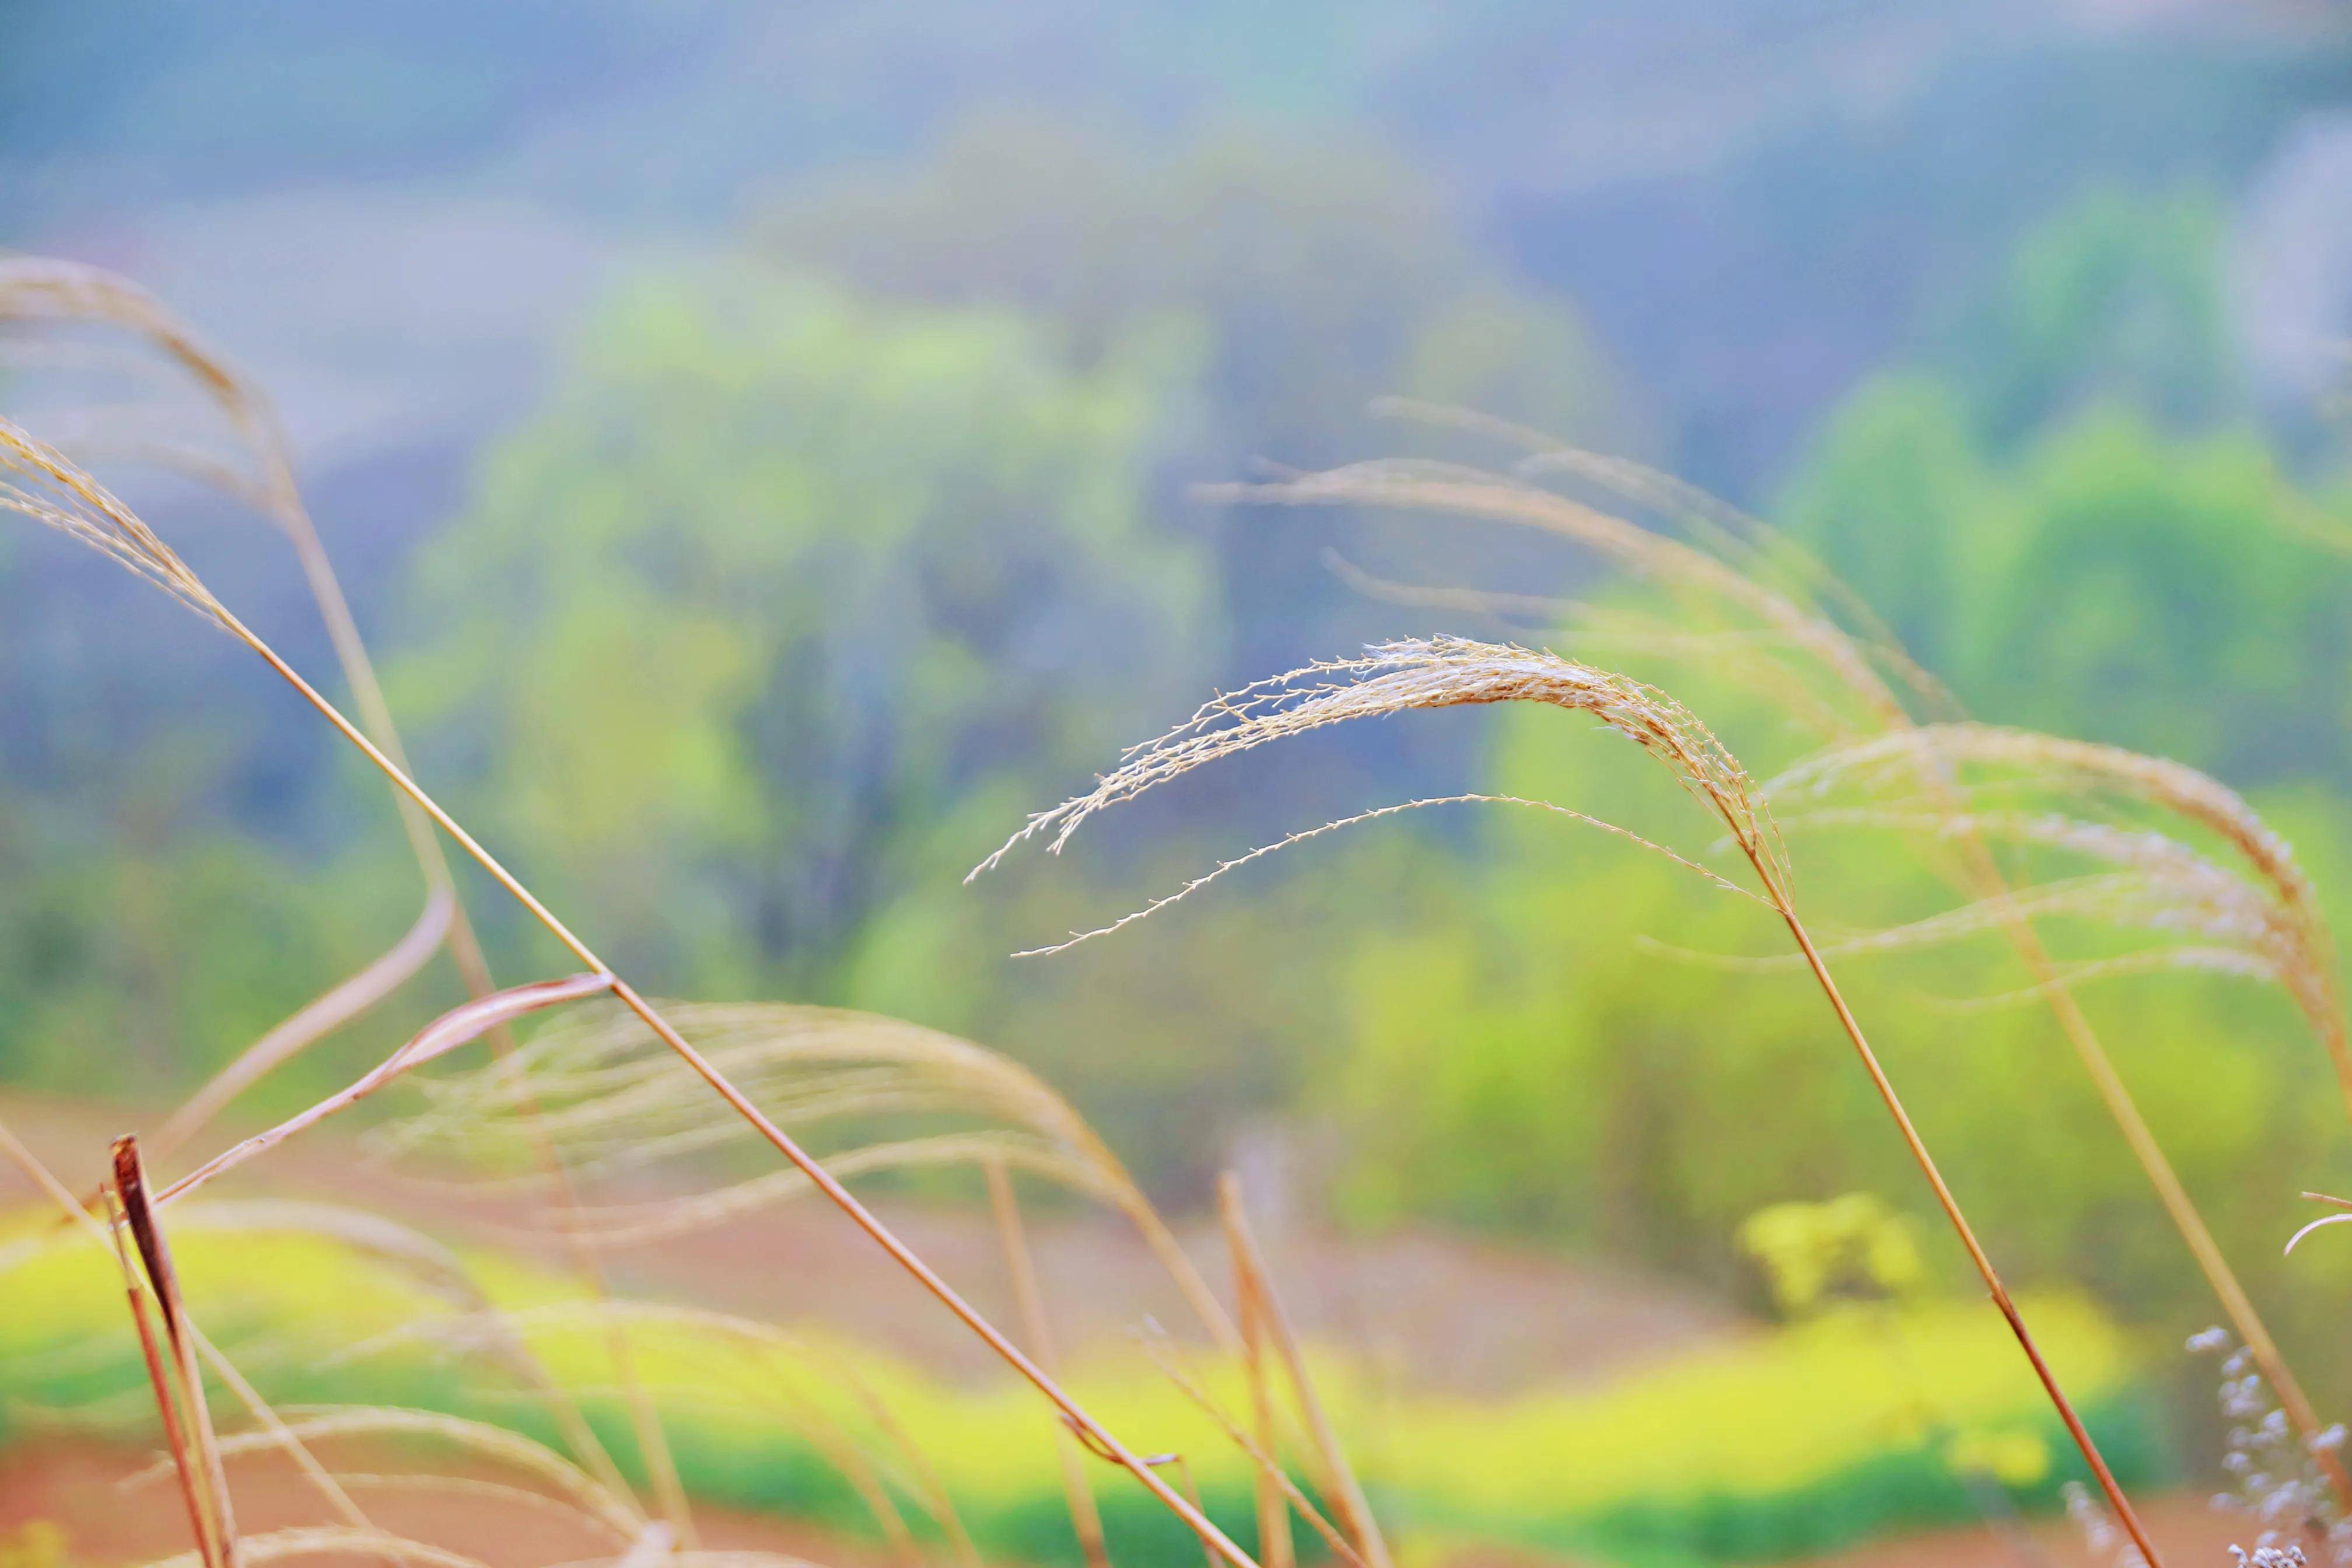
point(2254, 910)
point(1873, 686)
point(39, 483)
point(36, 290)
point(1454, 672)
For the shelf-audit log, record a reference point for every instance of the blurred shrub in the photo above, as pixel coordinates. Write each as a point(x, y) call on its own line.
point(2121, 295)
point(789, 595)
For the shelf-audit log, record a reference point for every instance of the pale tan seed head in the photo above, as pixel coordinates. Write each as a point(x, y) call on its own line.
point(2177, 853)
point(1435, 673)
point(38, 482)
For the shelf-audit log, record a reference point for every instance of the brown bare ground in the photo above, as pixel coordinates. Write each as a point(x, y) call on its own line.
point(79, 1487)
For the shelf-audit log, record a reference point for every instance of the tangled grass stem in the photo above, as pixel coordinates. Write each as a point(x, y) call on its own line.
point(118, 532)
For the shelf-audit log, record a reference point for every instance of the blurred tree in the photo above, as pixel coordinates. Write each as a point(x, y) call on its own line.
point(794, 599)
point(1885, 496)
point(1319, 276)
point(2163, 592)
point(2121, 296)
point(2149, 591)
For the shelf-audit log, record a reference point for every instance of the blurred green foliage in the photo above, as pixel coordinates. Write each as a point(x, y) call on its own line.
point(824, 564)
point(2120, 296)
point(788, 590)
point(2076, 538)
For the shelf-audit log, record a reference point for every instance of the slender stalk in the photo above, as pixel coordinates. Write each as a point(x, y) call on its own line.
point(1274, 1543)
point(166, 1408)
point(1341, 1547)
point(1338, 1479)
point(1086, 1519)
point(2116, 1500)
point(1192, 1491)
point(2252, 1333)
point(155, 1255)
point(110, 1234)
point(824, 1180)
point(36, 290)
point(317, 1474)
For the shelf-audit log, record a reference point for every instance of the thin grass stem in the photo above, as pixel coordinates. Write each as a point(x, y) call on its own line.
point(1020, 1267)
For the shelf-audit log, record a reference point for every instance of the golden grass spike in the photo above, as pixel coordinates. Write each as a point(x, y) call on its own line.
point(1432, 673)
point(1335, 1474)
point(179, 1338)
point(1451, 672)
point(1721, 586)
point(184, 1461)
point(39, 483)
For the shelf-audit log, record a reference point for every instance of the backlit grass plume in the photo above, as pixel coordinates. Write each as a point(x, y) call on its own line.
point(39, 483)
point(1454, 672)
point(2173, 853)
point(1739, 601)
point(871, 1093)
point(1437, 672)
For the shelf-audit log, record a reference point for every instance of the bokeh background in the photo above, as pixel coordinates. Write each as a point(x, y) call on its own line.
point(761, 445)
